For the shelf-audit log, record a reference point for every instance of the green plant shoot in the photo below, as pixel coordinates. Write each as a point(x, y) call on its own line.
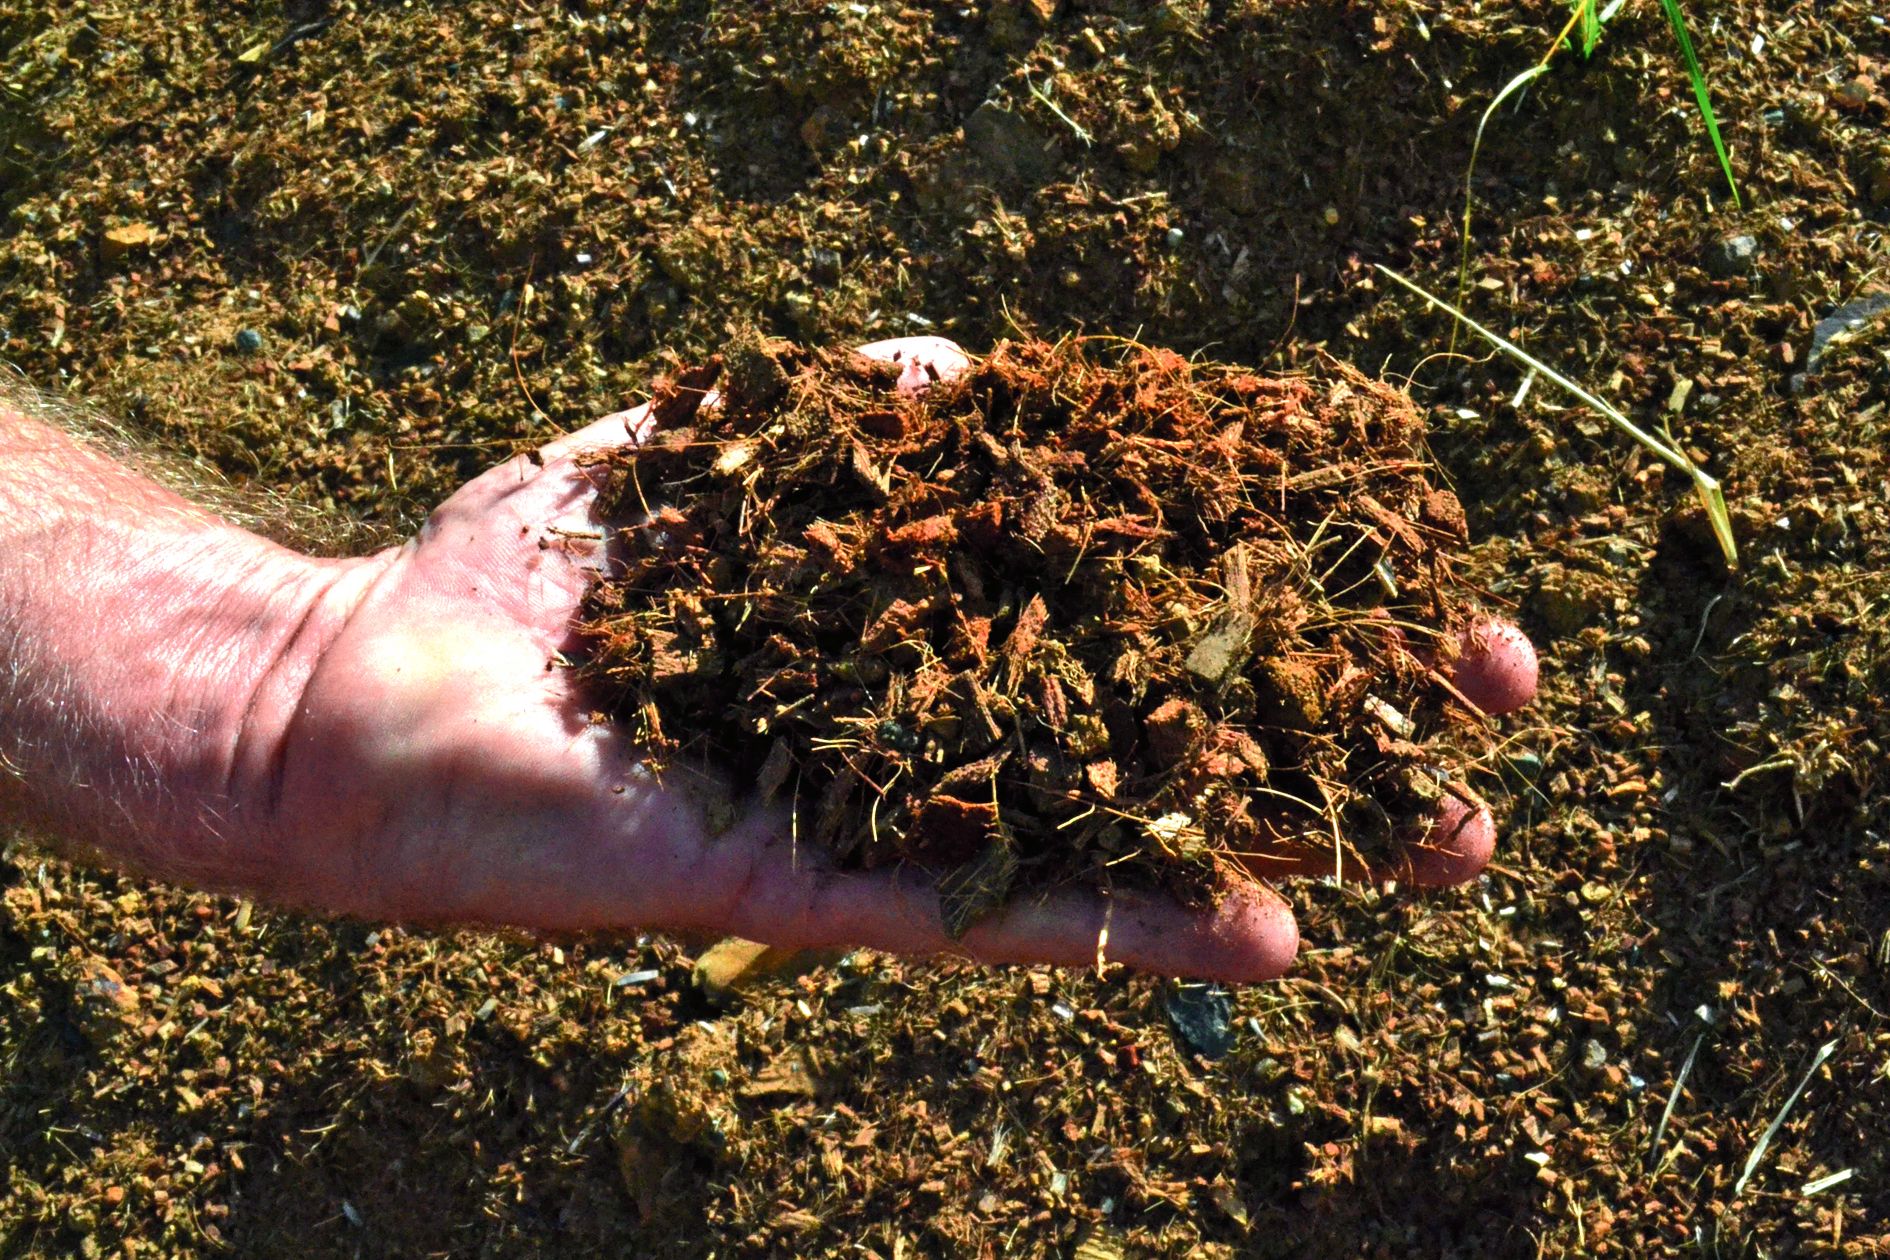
point(1712, 498)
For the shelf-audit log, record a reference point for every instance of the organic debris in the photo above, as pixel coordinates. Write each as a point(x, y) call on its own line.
point(1090, 611)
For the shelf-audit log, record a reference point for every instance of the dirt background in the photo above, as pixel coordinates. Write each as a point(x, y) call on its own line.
point(356, 252)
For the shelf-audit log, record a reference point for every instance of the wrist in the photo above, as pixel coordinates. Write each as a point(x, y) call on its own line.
point(151, 658)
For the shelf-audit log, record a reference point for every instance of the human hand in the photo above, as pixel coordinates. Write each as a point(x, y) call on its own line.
point(441, 765)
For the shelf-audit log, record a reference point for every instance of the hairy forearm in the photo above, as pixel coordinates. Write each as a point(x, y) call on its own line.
point(151, 654)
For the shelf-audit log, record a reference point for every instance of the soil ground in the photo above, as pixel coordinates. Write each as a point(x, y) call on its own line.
point(357, 251)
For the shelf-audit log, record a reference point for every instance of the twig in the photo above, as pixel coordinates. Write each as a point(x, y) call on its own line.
point(591, 1124)
point(380, 245)
point(1712, 498)
point(1076, 127)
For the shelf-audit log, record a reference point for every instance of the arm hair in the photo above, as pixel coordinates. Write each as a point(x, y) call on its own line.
point(278, 516)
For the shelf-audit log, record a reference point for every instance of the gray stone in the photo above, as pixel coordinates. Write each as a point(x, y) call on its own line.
point(823, 265)
point(1846, 321)
point(1732, 256)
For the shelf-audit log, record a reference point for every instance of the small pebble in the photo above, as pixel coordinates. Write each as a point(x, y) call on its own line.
point(1200, 1014)
point(1732, 256)
point(248, 340)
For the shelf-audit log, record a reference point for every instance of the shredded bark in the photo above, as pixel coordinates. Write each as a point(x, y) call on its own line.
point(1087, 612)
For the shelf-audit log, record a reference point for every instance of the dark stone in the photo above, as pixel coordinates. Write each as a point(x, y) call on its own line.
point(1201, 1015)
point(823, 266)
point(248, 340)
point(1843, 322)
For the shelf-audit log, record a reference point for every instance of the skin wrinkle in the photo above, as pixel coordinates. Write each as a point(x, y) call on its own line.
point(245, 724)
point(98, 766)
point(277, 757)
point(179, 721)
point(214, 645)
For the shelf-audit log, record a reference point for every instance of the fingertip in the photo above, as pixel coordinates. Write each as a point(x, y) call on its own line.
point(1247, 936)
point(1452, 845)
point(1252, 935)
point(1496, 667)
point(922, 360)
point(613, 430)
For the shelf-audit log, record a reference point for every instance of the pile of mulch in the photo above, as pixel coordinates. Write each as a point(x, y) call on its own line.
point(1090, 611)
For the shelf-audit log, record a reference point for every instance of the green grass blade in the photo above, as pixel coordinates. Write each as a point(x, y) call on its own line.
point(1677, 20)
point(1591, 26)
point(1463, 263)
point(1712, 498)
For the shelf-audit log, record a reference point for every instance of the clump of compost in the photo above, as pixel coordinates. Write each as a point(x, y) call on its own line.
point(1089, 611)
